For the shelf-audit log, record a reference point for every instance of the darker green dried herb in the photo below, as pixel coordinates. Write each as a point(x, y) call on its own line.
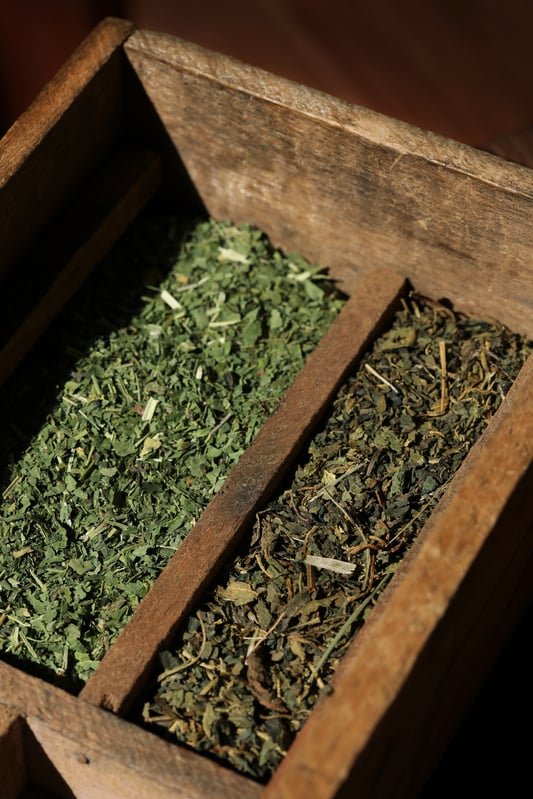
point(144, 430)
point(251, 662)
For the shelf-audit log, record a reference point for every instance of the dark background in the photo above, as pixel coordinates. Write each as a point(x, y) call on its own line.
point(462, 68)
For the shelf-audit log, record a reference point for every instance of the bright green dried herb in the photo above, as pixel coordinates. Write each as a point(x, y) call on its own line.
point(144, 429)
point(251, 662)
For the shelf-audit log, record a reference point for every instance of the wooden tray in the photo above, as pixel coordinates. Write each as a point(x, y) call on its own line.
point(378, 202)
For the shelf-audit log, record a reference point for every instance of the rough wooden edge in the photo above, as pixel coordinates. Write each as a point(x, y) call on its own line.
point(61, 138)
point(74, 747)
point(122, 672)
point(371, 125)
point(408, 655)
point(96, 219)
point(12, 766)
point(28, 131)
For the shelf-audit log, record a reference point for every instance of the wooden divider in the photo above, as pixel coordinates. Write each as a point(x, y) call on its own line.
point(124, 669)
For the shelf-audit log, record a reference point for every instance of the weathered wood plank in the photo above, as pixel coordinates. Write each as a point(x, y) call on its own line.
point(124, 669)
point(71, 248)
point(60, 139)
point(73, 749)
point(12, 766)
point(411, 672)
point(342, 185)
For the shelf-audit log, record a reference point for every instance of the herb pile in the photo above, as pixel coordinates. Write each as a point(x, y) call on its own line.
point(145, 429)
point(251, 662)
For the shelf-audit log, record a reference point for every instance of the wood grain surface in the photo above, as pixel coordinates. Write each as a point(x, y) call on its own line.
point(462, 69)
point(342, 185)
point(75, 750)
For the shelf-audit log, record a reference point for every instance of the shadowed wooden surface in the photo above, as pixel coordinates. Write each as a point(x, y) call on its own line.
point(86, 231)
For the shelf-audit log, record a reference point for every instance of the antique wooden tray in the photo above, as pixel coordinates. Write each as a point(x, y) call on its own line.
point(378, 202)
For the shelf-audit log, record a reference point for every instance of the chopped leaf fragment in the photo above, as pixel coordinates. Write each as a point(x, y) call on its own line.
point(171, 301)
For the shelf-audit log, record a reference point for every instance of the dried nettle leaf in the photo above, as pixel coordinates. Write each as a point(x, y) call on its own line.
point(145, 428)
point(287, 608)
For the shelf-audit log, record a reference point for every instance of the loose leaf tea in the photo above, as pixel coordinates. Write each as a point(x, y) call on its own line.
point(145, 429)
point(254, 658)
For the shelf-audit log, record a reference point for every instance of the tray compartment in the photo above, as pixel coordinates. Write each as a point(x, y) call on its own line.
point(353, 190)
